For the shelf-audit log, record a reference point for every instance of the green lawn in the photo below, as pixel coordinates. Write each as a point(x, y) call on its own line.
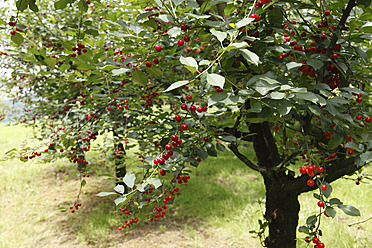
point(217, 208)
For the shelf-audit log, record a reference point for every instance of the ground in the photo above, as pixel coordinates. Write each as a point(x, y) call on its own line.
point(217, 208)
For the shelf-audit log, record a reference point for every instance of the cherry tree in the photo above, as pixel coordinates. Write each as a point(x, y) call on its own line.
point(176, 81)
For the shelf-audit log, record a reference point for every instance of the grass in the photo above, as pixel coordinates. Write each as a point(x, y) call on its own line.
point(217, 207)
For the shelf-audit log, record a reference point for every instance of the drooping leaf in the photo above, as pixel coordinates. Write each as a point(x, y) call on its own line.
point(220, 35)
point(251, 57)
point(17, 38)
point(140, 77)
point(129, 179)
point(106, 193)
point(216, 80)
point(190, 63)
point(119, 188)
point(243, 22)
point(330, 211)
point(176, 85)
point(120, 199)
point(349, 210)
point(120, 71)
point(211, 149)
point(155, 181)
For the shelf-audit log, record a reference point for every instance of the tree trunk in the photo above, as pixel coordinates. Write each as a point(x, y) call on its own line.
point(120, 168)
point(282, 208)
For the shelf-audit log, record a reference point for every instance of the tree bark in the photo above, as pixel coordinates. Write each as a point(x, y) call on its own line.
point(282, 208)
point(120, 169)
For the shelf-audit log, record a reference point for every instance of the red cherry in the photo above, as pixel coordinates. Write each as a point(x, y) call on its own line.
point(88, 2)
point(321, 245)
point(108, 108)
point(184, 126)
point(162, 172)
point(177, 118)
point(199, 109)
point(359, 117)
point(321, 204)
point(148, 64)
point(174, 137)
point(319, 169)
point(188, 97)
point(186, 38)
point(181, 42)
point(323, 187)
point(315, 240)
point(12, 32)
point(302, 170)
point(276, 128)
point(320, 25)
point(183, 106)
point(310, 183)
point(168, 147)
point(184, 27)
point(192, 108)
point(334, 56)
point(368, 119)
point(158, 48)
point(327, 12)
point(156, 61)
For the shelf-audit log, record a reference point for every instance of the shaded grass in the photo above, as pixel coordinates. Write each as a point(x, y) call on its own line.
point(217, 207)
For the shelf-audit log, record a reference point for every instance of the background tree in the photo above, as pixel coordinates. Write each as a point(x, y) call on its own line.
point(182, 79)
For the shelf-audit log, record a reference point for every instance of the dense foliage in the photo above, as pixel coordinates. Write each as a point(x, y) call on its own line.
point(178, 80)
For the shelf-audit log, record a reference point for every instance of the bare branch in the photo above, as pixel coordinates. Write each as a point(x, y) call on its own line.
point(244, 159)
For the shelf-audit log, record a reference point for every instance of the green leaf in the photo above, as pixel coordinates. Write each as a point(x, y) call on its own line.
point(308, 96)
point(61, 4)
point(140, 77)
point(17, 38)
point(304, 229)
point(155, 181)
point(362, 54)
point(120, 200)
point(251, 57)
point(282, 106)
point(335, 201)
point(243, 22)
point(229, 138)
point(51, 62)
point(277, 95)
point(315, 63)
point(190, 63)
point(256, 107)
point(106, 193)
point(22, 5)
point(365, 3)
point(83, 183)
point(335, 141)
point(349, 210)
point(201, 153)
point(220, 147)
point(367, 156)
point(328, 191)
point(315, 109)
point(129, 179)
point(155, 71)
point(216, 80)
point(220, 35)
point(217, 98)
point(311, 221)
point(176, 85)
point(119, 188)
point(293, 65)
point(330, 211)
point(32, 5)
point(211, 149)
point(120, 71)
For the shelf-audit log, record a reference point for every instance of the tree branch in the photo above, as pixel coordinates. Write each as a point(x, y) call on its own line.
point(244, 159)
point(334, 38)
